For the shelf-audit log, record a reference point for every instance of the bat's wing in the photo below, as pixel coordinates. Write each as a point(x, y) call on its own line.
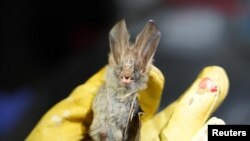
point(132, 130)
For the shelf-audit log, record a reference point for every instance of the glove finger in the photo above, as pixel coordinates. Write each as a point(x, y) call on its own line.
point(197, 104)
point(150, 98)
point(70, 118)
point(202, 134)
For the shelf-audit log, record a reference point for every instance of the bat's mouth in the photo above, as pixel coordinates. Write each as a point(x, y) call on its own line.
point(126, 79)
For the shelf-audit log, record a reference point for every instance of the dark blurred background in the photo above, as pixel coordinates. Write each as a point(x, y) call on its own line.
point(48, 48)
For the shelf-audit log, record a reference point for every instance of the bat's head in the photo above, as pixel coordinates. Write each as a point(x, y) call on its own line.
point(132, 61)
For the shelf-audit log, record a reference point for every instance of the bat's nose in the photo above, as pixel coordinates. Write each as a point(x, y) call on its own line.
point(126, 79)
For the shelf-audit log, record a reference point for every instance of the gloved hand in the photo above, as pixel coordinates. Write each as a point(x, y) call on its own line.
point(183, 120)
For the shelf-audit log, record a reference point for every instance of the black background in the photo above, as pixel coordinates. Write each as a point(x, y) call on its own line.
point(49, 47)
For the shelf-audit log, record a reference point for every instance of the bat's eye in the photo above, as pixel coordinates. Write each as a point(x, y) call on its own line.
point(126, 79)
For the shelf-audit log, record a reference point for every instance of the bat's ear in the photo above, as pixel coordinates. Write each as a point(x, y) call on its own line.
point(146, 43)
point(118, 40)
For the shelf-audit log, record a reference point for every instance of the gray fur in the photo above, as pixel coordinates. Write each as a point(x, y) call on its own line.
point(112, 104)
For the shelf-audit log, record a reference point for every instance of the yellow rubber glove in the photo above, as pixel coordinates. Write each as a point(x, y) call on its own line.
point(70, 119)
point(184, 119)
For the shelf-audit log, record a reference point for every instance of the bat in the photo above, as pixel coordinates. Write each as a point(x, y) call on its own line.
point(115, 107)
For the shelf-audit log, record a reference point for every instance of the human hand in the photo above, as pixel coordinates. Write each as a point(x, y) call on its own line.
point(184, 119)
